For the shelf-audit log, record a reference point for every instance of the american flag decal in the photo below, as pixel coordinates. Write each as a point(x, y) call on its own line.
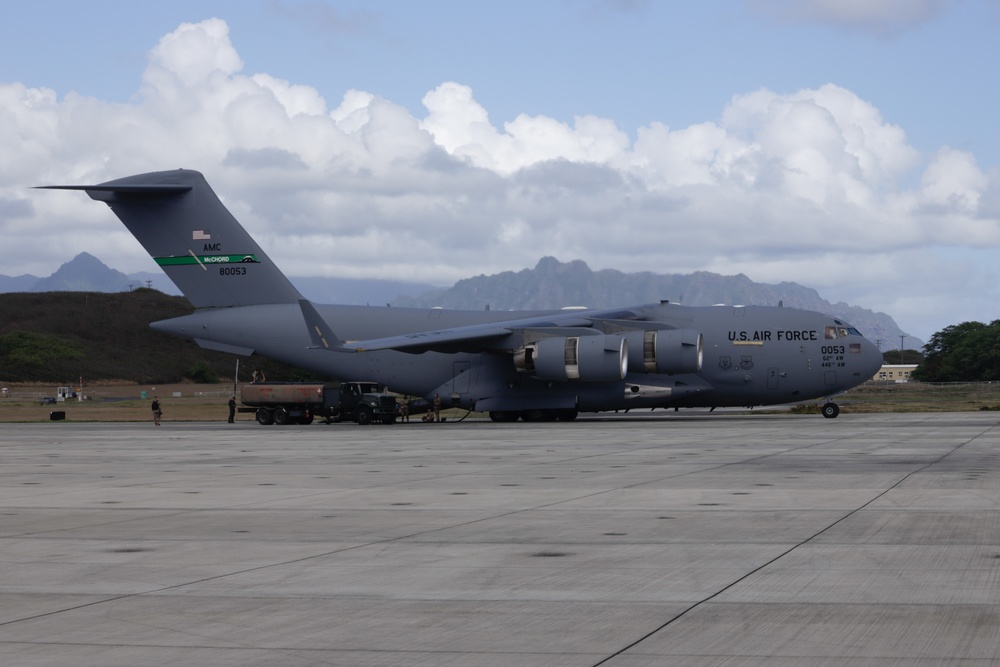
point(201, 235)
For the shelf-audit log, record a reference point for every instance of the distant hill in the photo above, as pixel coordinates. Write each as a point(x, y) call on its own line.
point(22, 283)
point(551, 284)
point(357, 291)
point(60, 337)
point(86, 273)
point(554, 284)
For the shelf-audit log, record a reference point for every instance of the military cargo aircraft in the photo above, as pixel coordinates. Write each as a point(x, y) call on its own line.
point(531, 365)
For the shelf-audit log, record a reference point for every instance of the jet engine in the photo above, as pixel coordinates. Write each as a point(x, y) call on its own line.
point(598, 358)
point(666, 351)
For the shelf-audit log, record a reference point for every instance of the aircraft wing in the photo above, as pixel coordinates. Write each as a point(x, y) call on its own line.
point(323, 337)
point(474, 337)
point(432, 340)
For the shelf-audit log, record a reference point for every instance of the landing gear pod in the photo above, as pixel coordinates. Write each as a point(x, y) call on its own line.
point(584, 358)
point(667, 351)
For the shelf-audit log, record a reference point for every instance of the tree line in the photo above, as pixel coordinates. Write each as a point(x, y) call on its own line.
point(966, 352)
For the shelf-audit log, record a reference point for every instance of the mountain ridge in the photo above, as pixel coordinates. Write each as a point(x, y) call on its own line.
point(86, 273)
point(550, 284)
point(555, 284)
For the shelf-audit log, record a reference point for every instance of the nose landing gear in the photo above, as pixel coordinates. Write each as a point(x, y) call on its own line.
point(830, 410)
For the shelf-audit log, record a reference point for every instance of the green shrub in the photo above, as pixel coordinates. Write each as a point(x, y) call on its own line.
point(203, 373)
point(28, 348)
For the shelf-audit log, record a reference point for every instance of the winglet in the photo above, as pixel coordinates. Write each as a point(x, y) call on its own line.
point(320, 333)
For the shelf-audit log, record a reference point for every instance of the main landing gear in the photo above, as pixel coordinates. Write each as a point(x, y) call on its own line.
point(567, 415)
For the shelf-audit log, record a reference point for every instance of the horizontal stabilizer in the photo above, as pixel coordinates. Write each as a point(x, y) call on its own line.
point(138, 189)
point(239, 350)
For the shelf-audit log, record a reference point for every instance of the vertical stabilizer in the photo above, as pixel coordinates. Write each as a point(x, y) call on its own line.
point(197, 242)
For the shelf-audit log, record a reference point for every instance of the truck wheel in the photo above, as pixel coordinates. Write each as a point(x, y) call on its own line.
point(280, 416)
point(264, 417)
point(363, 416)
point(306, 419)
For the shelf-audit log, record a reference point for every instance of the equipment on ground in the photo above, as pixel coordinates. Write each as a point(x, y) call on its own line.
point(301, 402)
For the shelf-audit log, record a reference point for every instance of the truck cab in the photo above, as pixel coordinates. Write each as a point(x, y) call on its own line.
point(366, 402)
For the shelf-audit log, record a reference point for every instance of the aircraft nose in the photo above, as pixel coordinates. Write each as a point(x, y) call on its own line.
point(871, 359)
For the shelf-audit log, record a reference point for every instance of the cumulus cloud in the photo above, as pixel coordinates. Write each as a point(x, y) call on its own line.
point(804, 185)
point(879, 17)
point(195, 53)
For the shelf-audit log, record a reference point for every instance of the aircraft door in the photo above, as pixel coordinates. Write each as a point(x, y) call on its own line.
point(462, 379)
point(772, 378)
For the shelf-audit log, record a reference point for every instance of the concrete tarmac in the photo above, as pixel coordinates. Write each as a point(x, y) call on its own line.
point(670, 539)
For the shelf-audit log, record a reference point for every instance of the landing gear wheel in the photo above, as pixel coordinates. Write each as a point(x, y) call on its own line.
point(566, 415)
point(830, 410)
point(503, 416)
point(536, 416)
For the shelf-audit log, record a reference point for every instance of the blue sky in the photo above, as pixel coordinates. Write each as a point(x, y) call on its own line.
point(847, 145)
point(925, 68)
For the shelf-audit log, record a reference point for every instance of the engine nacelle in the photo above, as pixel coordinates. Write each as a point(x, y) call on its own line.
point(666, 351)
point(598, 358)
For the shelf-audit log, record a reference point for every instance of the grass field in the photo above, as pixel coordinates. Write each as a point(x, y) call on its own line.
point(180, 402)
point(920, 397)
point(207, 402)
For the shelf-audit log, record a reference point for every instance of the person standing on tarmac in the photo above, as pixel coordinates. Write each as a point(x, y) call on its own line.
point(232, 409)
point(157, 412)
point(437, 408)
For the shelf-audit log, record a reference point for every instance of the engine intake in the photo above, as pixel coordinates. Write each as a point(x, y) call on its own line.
point(667, 351)
point(598, 358)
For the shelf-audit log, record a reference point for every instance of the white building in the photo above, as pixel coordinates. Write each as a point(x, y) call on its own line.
point(894, 373)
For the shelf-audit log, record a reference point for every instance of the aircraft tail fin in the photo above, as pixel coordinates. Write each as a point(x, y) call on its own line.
point(191, 235)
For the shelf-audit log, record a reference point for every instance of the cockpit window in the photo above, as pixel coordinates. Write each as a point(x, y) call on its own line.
point(833, 333)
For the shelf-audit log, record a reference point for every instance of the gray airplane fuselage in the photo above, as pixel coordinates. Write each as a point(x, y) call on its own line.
point(753, 355)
